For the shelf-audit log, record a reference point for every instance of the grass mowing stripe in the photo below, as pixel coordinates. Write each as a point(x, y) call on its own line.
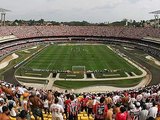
point(52, 62)
point(94, 57)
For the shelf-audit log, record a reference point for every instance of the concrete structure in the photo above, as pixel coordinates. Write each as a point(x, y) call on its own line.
point(156, 15)
point(3, 16)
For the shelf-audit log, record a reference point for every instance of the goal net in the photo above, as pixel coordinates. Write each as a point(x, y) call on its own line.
point(78, 69)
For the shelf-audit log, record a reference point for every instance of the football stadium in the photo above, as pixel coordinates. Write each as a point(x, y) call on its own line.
point(112, 69)
point(78, 57)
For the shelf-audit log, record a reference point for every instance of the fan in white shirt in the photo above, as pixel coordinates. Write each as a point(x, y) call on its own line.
point(46, 106)
point(56, 110)
point(152, 112)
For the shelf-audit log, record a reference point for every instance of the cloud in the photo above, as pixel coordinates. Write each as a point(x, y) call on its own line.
point(90, 10)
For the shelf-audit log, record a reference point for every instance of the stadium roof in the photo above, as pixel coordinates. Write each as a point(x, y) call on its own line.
point(155, 12)
point(4, 10)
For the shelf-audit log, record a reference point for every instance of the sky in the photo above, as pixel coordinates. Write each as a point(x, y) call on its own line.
point(94, 11)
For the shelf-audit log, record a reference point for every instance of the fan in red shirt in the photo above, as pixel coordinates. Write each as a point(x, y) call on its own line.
point(100, 110)
point(84, 103)
point(72, 109)
point(66, 103)
point(122, 115)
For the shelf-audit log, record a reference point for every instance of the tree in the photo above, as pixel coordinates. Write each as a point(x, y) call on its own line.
point(41, 21)
point(31, 22)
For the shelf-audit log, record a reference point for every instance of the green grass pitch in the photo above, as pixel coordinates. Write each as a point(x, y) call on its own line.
point(93, 57)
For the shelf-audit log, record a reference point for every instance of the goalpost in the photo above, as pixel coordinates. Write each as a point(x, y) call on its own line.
point(78, 69)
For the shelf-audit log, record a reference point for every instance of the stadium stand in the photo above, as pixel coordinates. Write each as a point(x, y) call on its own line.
point(136, 104)
point(40, 31)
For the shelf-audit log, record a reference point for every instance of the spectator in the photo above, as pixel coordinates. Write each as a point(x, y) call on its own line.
point(46, 106)
point(84, 103)
point(57, 110)
point(66, 103)
point(122, 115)
point(1, 104)
point(89, 105)
point(144, 113)
point(5, 114)
point(135, 111)
point(12, 107)
point(73, 109)
point(25, 105)
point(152, 112)
point(117, 108)
point(109, 113)
point(36, 106)
point(23, 115)
point(50, 97)
point(100, 110)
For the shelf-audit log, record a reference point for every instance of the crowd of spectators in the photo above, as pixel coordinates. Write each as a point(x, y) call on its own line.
point(41, 31)
point(26, 103)
point(11, 47)
point(106, 31)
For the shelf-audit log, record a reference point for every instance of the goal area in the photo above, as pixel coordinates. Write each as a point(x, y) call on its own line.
point(78, 69)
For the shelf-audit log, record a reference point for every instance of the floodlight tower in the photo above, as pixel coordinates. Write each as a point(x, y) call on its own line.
point(156, 15)
point(3, 16)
